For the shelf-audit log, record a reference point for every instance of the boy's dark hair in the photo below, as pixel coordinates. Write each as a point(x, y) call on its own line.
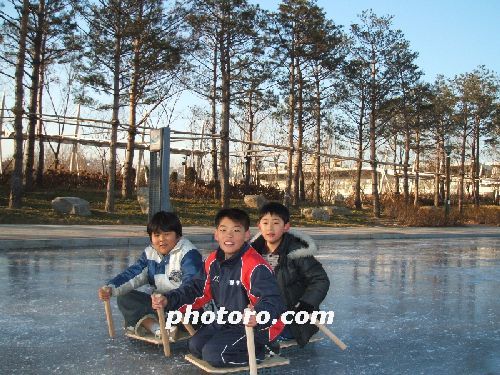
point(235, 214)
point(275, 208)
point(165, 221)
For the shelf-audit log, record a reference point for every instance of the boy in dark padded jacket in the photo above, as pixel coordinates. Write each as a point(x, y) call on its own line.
point(233, 276)
point(302, 280)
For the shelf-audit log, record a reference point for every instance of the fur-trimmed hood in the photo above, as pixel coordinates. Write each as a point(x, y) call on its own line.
point(308, 248)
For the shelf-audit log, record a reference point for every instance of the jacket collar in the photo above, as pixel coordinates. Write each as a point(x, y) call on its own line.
point(182, 245)
point(306, 248)
point(221, 256)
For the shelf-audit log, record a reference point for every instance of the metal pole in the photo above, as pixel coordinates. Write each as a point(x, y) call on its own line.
point(1, 130)
point(447, 197)
point(165, 169)
point(74, 152)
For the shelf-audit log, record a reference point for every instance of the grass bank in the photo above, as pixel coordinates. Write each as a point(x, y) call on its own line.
point(37, 209)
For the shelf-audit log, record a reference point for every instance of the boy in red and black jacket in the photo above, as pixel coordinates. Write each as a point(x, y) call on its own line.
point(234, 276)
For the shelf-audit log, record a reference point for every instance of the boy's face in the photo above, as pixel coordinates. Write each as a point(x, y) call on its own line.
point(231, 236)
point(164, 242)
point(272, 228)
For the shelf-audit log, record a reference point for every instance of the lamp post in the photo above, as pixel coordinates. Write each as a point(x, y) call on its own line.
point(447, 150)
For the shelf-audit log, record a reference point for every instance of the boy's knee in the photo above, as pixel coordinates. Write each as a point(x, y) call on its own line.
point(121, 301)
point(213, 356)
point(195, 346)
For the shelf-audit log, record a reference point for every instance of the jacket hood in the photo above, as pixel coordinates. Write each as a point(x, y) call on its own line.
point(183, 245)
point(306, 248)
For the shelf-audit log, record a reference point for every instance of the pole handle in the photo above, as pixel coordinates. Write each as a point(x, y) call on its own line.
point(164, 333)
point(331, 336)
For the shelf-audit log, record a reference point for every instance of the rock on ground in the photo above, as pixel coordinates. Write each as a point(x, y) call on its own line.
point(255, 201)
point(71, 206)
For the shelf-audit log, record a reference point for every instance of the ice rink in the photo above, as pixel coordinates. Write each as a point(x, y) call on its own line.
point(427, 306)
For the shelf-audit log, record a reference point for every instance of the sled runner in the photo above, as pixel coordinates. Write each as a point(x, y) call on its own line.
point(252, 362)
point(205, 366)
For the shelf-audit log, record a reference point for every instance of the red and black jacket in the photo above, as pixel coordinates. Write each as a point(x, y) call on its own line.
point(233, 284)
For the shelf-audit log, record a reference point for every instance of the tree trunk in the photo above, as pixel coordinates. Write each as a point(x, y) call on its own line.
point(115, 122)
point(128, 176)
point(16, 183)
point(395, 161)
point(225, 65)
point(359, 164)
point(437, 174)
point(302, 186)
point(291, 126)
point(248, 157)
point(473, 174)
point(462, 167)
point(477, 165)
point(416, 191)
point(442, 157)
point(213, 102)
point(300, 128)
point(317, 190)
point(41, 146)
point(33, 112)
point(373, 145)
point(406, 161)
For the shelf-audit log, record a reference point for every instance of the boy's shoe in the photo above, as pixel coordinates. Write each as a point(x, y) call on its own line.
point(171, 333)
point(142, 331)
point(273, 348)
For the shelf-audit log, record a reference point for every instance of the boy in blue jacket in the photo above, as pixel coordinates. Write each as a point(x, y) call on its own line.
point(234, 276)
point(169, 262)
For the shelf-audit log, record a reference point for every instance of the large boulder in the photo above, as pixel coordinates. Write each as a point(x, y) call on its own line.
point(341, 210)
point(143, 199)
point(71, 206)
point(255, 201)
point(319, 214)
point(306, 211)
point(316, 213)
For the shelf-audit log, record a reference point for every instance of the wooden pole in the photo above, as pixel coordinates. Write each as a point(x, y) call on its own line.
point(190, 329)
point(252, 360)
point(164, 333)
point(331, 336)
point(109, 318)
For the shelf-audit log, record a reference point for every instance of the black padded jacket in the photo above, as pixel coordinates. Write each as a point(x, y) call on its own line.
point(300, 276)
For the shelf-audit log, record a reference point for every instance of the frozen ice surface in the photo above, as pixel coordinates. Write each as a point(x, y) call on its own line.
point(401, 306)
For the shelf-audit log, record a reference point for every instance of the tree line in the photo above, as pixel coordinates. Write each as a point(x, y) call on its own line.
point(293, 66)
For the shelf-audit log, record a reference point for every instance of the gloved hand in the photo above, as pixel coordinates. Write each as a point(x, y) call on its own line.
point(303, 306)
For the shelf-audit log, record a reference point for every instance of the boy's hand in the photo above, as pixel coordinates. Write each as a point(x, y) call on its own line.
point(158, 301)
point(104, 293)
point(303, 306)
point(252, 320)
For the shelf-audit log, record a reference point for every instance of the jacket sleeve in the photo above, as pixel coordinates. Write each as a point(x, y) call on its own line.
point(191, 264)
point(316, 280)
point(195, 292)
point(132, 278)
point(264, 293)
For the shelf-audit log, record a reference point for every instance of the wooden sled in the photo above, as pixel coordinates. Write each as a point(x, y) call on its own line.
point(164, 340)
point(205, 366)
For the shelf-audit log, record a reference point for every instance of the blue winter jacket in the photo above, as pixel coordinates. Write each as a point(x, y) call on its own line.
point(162, 272)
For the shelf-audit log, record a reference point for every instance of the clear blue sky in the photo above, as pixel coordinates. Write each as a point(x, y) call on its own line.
point(451, 37)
